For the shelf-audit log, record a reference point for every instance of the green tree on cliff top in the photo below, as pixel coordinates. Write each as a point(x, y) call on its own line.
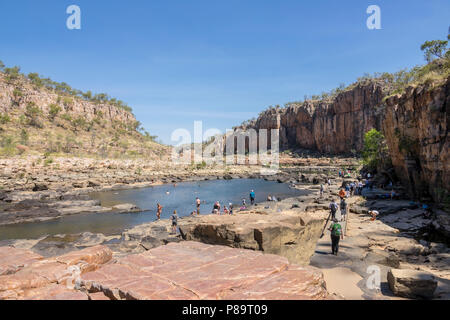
point(434, 49)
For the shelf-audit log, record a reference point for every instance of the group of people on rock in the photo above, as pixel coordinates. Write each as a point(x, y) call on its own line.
point(216, 208)
point(226, 210)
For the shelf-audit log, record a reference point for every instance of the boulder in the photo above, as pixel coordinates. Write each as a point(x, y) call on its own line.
point(40, 187)
point(126, 208)
point(288, 234)
point(412, 283)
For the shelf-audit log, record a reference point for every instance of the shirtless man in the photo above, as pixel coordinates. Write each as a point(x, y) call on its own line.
point(158, 211)
point(198, 202)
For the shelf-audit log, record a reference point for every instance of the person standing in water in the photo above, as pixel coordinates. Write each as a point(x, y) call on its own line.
point(252, 197)
point(336, 236)
point(174, 222)
point(198, 202)
point(159, 211)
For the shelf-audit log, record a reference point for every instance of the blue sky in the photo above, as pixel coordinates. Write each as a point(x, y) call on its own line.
point(221, 62)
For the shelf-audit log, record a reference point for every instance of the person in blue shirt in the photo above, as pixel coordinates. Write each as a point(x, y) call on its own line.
point(252, 197)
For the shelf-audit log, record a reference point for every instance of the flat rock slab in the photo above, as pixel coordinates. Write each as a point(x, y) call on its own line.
point(49, 279)
point(193, 270)
point(289, 234)
point(12, 259)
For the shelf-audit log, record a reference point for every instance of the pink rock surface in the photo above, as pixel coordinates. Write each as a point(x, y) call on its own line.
point(47, 279)
point(12, 259)
point(192, 270)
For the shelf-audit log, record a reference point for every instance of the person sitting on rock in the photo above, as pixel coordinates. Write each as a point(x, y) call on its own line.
point(225, 210)
point(373, 214)
point(427, 211)
point(269, 198)
point(216, 206)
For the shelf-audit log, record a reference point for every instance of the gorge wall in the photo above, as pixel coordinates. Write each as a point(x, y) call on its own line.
point(416, 129)
point(414, 123)
point(335, 126)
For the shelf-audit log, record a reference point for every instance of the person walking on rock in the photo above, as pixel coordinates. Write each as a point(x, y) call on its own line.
point(342, 194)
point(321, 190)
point(343, 209)
point(252, 197)
point(174, 222)
point(333, 209)
point(336, 236)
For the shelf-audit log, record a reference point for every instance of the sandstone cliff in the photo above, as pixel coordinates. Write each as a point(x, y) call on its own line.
point(415, 125)
point(331, 126)
point(416, 128)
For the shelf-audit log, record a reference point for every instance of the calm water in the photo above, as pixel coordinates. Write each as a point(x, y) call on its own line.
point(180, 198)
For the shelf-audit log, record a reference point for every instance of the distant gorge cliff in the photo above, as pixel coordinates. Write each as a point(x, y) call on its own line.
point(415, 125)
point(332, 127)
point(10, 102)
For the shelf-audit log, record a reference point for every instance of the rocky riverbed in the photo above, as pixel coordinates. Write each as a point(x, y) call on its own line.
point(401, 243)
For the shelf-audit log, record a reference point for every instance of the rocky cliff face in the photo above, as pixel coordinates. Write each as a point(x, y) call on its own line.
point(335, 126)
point(415, 125)
point(15, 97)
point(416, 128)
point(36, 120)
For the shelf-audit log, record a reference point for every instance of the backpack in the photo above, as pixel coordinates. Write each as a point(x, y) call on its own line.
point(336, 229)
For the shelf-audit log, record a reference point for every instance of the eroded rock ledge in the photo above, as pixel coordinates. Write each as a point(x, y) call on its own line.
point(288, 234)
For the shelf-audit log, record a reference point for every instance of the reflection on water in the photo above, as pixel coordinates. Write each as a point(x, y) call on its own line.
point(180, 198)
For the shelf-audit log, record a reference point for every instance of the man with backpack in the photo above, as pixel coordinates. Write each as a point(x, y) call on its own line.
point(336, 236)
point(333, 208)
